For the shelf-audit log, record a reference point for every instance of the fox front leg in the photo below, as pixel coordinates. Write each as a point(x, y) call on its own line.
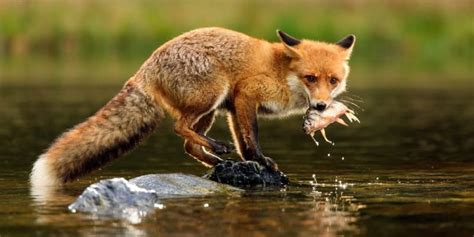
point(244, 128)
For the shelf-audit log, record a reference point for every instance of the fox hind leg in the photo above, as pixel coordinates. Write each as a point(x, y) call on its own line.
point(184, 127)
point(197, 151)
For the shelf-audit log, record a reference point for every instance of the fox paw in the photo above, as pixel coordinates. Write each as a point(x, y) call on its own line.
point(220, 148)
point(268, 162)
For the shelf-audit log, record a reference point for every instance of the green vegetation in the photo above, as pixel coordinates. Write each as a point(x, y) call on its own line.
point(77, 41)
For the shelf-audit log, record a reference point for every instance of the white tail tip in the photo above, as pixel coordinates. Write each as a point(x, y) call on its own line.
point(43, 173)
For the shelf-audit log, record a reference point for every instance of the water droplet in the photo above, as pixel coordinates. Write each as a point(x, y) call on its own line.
point(329, 154)
point(342, 158)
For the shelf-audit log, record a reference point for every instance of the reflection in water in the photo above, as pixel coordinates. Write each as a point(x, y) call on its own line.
point(321, 208)
point(261, 212)
point(47, 199)
point(43, 195)
point(405, 171)
point(334, 209)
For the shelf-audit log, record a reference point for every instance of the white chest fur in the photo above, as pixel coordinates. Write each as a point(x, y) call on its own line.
point(295, 104)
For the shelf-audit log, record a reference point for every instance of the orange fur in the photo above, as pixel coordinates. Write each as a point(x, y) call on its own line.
point(191, 77)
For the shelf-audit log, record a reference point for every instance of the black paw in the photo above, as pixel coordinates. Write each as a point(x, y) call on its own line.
point(220, 148)
point(270, 163)
point(267, 162)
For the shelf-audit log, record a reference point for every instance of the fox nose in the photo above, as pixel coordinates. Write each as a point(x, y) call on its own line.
point(320, 106)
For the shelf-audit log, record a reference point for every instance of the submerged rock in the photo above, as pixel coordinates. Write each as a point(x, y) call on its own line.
point(169, 185)
point(117, 198)
point(134, 199)
point(246, 174)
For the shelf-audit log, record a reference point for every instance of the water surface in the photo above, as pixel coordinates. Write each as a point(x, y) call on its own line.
point(407, 169)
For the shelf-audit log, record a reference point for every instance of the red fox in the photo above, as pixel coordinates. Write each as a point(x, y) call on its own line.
point(190, 78)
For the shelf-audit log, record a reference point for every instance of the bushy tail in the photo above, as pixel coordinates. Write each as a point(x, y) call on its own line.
point(115, 129)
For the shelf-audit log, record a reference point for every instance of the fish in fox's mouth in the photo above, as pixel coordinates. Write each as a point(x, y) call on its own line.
point(317, 121)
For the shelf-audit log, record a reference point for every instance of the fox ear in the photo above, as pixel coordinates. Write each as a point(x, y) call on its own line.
point(288, 39)
point(347, 43)
point(289, 42)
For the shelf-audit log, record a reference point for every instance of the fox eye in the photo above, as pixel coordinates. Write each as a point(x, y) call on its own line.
point(311, 78)
point(333, 80)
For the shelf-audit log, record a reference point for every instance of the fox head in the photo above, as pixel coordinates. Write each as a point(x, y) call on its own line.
point(321, 68)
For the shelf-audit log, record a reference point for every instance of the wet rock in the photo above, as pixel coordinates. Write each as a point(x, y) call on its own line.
point(170, 185)
point(117, 198)
point(134, 199)
point(246, 174)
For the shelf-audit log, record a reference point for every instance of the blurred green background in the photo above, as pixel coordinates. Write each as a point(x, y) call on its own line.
point(399, 43)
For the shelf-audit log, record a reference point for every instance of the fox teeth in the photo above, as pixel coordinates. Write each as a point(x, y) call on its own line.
point(339, 120)
point(323, 132)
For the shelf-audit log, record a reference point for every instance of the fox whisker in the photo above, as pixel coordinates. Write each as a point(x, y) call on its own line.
point(352, 103)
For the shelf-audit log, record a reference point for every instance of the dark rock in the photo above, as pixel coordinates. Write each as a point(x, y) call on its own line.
point(246, 174)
